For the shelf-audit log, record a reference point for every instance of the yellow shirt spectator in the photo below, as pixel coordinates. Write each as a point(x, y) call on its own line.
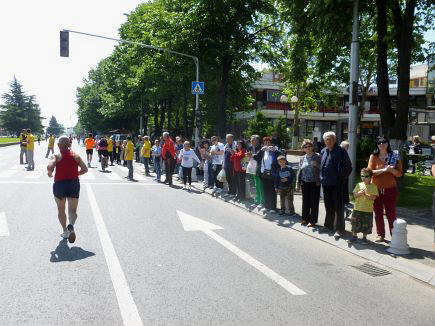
point(362, 203)
point(30, 139)
point(110, 145)
point(129, 150)
point(146, 149)
point(51, 142)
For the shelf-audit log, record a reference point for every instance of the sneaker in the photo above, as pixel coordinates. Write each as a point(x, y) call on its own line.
point(364, 241)
point(312, 225)
point(72, 234)
point(260, 207)
point(65, 235)
point(304, 222)
point(272, 211)
point(337, 235)
point(379, 239)
point(353, 239)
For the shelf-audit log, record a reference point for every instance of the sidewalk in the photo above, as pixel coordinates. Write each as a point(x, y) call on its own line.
point(420, 264)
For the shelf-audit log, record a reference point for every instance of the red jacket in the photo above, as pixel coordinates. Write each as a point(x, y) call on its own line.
point(168, 146)
point(236, 158)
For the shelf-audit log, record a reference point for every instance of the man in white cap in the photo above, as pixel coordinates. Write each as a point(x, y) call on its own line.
point(66, 185)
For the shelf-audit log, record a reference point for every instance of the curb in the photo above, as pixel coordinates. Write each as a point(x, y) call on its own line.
point(8, 144)
point(416, 270)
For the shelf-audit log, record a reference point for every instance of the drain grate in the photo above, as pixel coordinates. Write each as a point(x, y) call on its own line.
point(371, 270)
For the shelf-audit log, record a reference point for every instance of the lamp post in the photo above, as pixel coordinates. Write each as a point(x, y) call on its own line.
point(295, 139)
point(284, 99)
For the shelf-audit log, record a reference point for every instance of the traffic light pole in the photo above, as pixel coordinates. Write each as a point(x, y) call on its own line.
point(195, 59)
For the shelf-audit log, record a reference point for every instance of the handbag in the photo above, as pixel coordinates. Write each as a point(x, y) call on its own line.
point(221, 177)
point(251, 168)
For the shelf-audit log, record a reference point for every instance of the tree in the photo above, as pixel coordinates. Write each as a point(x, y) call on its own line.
point(259, 125)
point(54, 127)
point(20, 111)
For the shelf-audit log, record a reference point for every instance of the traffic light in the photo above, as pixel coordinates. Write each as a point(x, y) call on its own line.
point(64, 44)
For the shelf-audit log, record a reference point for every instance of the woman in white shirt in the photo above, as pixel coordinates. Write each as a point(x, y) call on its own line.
point(187, 156)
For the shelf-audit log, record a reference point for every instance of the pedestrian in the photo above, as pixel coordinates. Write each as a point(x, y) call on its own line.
point(308, 180)
point(415, 149)
point(146, 154)
point(157, 158)
point(178, 147)
point(268, 156)
point(50, 148)
point(187, 156)
point(30, 141)
point(23, 147)
point(217, 158)
point(138, 149)
point(386, 166)
point(335, 168)
point(206, 163)
point(128, 157)
point(365, 194)
point(284, 185)
point(254, 148)
point(123, 150)
point(239, 170)
point(169, 156)
point(90, 144)
point(110, 149)
point(67, 166)
point(39, 140)
point(229, 150)
point(345, 145)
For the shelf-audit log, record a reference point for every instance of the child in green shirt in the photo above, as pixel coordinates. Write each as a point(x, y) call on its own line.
point(365, 194)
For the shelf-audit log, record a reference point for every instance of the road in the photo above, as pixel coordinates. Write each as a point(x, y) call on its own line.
point(141, 258)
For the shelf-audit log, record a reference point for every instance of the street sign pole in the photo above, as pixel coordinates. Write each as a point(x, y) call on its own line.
point(197, 107)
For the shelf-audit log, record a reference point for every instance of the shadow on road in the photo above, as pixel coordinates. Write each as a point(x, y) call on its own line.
point(65, 253)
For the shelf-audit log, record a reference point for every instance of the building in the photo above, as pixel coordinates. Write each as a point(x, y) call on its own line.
point(267, 92)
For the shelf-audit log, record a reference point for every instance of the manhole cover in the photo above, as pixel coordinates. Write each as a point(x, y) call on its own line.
point(371, 270)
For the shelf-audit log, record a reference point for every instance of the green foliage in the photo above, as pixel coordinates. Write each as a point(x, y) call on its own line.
point(364, 148)
point(280, 130)
point(54, 127)
point(20, 111)
point(259, 125)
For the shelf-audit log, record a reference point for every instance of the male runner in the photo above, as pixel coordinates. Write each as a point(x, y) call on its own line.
point(66, 185)
point(51, 140)
point(30, 140)
point(102, 152)
point(110, 149)
point(90, 144)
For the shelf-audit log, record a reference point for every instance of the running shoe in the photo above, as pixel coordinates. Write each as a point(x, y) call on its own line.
point(65, 235)
point(72, 234)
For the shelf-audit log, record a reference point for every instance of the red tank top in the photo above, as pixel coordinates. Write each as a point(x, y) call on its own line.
point(67, 168)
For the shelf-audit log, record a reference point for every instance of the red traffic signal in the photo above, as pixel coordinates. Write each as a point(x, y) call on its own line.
point(64, 43)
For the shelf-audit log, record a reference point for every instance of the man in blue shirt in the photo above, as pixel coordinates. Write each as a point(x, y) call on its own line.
point(335, 168)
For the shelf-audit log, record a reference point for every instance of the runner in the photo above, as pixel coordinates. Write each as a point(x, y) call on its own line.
point(103, 153)
point(66, 185)
point(51, 140)
point(90, 144)
point(30, 141)
point(23, 147)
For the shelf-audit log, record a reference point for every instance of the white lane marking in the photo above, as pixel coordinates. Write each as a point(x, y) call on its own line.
point(34, 174)
point(4, 230)
point(7, 173)
point(191, 223)
point(112, 175)
point(88, 175)
point(127, 306)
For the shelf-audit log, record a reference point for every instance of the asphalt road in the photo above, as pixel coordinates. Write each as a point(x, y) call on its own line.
point(133, 263)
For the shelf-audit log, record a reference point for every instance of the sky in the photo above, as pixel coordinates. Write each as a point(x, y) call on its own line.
point(29, 47)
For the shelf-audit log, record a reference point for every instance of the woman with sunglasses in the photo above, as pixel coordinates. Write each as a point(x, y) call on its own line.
point(308, 179)
point(386, 167)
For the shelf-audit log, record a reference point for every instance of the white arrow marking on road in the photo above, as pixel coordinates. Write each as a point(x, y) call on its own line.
point(191, 223)
point(4, 230)
point(128, 308)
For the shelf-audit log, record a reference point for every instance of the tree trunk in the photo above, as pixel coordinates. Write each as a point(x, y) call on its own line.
point(185, 123)
point(156, 120)
point(177, 119)
point(168, 109)
point(222, 101)
point(162, 114)
point(384, 101)
point(404, 42)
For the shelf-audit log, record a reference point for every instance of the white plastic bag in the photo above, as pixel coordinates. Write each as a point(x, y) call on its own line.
point(221, 177)
point(252, 167)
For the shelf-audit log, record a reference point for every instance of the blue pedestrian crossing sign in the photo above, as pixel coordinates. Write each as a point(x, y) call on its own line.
point(197, 87)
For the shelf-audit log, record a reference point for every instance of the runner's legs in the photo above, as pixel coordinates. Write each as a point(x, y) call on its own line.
point(72, 209)
point(61, 212)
